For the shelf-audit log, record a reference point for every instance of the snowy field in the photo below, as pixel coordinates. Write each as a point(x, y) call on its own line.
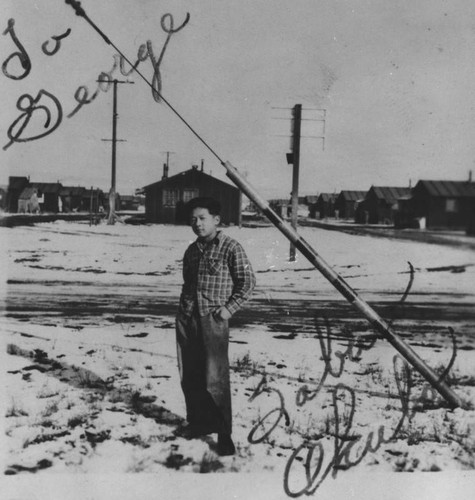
point(91, 384)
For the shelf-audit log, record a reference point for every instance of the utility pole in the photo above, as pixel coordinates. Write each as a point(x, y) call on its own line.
point(293, 158)
point(297, 112)
point(112, 193)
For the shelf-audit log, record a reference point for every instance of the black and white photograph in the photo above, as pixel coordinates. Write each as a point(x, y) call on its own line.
point(237, 249)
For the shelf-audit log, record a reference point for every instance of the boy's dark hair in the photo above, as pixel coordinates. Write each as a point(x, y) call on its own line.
point(213, 206)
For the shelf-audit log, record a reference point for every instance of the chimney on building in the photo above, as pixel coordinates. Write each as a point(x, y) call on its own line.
point(202, 165)
point(469, 176)
point(410, 183)
point(194, 167)
point(165, 171)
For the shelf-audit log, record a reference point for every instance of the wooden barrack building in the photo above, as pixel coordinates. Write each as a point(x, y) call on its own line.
point(165, 200)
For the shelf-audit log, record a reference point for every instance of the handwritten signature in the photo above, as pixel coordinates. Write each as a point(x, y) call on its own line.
point(18, 65)
point(315, 458)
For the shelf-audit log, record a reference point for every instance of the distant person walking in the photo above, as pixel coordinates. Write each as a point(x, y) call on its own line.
point(218, 279)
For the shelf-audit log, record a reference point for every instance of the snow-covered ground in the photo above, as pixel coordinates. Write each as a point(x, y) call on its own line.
point(91, 383)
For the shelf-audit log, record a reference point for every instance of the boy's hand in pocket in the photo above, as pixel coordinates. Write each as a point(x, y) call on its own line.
point(222, 314)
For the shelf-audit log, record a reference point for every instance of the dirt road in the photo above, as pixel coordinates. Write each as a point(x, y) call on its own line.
point(56, 303)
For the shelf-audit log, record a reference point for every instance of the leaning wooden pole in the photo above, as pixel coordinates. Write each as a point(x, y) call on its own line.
point(340, 284)
point(337, 281)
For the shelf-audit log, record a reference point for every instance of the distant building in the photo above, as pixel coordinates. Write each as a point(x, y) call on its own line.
point(129, 202)
point(438, 205)
point(94, 200)
point(3, 197)
point(345, 203)
point(15, 187)
point(28, 202)
point(48, 196)
point(324, 206)
point(251, 207)
point(311, 199)
point(380, 205)
point(471, 218)
point(71, 198)
point(281, 206)
point(165, 200)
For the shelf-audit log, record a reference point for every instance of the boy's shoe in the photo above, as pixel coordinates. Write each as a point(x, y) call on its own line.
point(192, 431)
point(225, 445)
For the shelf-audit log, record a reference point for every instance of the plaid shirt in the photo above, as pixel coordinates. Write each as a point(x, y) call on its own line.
point(215, 274)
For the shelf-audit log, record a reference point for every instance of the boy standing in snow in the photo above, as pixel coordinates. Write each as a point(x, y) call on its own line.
point(218, 279)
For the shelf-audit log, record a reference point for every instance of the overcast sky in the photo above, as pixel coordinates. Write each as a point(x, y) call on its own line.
point(396, 78)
